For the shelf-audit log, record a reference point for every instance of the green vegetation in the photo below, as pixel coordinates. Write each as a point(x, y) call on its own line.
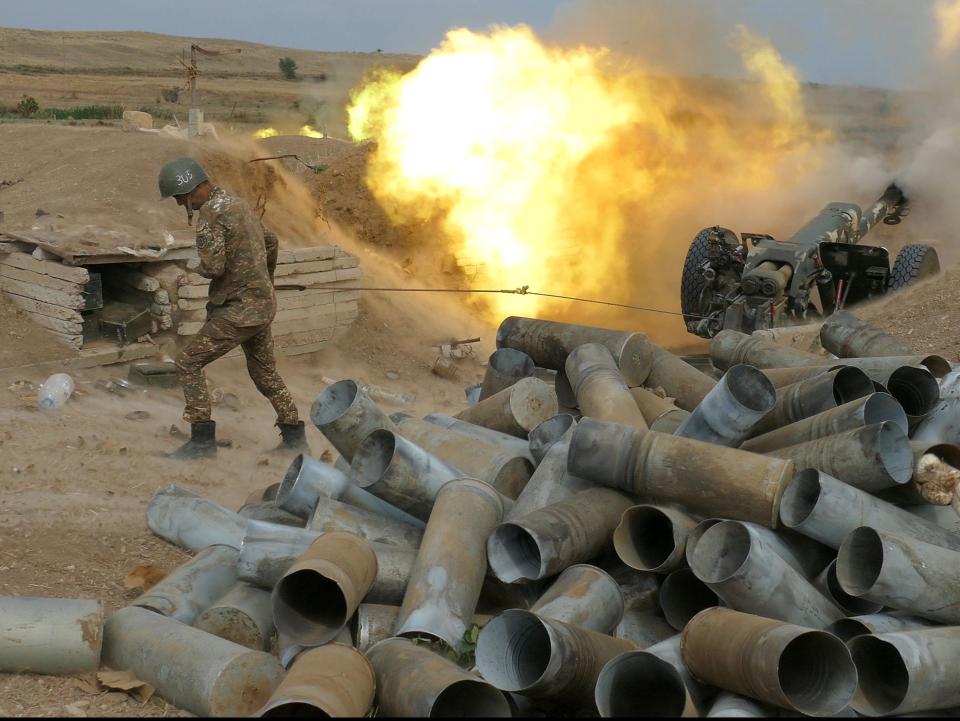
point(288, 68)
point(28, 107)
point(84, 112)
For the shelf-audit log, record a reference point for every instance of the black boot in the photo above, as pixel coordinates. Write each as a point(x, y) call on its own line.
point(293, 437)
point(202, 443)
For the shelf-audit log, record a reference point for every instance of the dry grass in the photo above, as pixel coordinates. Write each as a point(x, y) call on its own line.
point(71, 69)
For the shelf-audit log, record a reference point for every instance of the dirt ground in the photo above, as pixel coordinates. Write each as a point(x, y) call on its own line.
point(74, 484)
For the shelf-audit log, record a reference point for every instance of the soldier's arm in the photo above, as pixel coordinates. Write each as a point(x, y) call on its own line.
point(211, 246)
point(273, 248)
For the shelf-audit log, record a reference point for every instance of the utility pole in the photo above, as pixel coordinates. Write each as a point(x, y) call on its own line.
point(195, 120)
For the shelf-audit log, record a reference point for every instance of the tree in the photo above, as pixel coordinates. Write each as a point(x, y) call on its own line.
point(288, 68)
point(27, 106)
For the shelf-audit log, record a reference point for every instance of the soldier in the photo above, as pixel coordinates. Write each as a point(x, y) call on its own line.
point(239, 257)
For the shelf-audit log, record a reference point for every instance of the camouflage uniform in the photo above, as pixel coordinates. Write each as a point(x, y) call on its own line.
point(239, 257)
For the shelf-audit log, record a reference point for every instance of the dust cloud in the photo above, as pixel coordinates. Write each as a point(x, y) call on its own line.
point(930, 169)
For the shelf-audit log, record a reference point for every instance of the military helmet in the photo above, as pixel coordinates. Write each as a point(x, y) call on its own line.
point(180, 176)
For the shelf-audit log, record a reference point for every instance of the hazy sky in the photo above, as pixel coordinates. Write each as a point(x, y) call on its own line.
point(872, 42)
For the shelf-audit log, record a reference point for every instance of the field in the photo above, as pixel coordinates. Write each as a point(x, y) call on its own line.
point(66, 70)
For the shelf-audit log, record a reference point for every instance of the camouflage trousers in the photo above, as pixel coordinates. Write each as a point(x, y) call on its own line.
point(217, 337)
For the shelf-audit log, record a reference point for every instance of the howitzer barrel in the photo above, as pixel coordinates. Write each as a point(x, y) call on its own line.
point(891, 203)
point(846, 222)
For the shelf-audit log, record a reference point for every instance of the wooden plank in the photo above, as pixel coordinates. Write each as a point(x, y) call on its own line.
point(349, 274)
point(192, 291)
point(311, 278)
point(287, 340)
point(14, 246)
point(90, 258)
point(25, 261)
point(55, 324)
point(304, 301)
point(47, 295)
point(291, 293)
point(314, 252)
point(316, 266)
point(346, 261)
point(305, 313)
point(47, 309)
point(319, 322)
point(296, 350)
point(96, 354)
point(47, 281)
point(299, 300)
point(306, 254)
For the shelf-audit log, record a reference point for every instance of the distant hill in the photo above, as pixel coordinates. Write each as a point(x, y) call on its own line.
point(142, 71)
point(152, 53)
point(67, 69)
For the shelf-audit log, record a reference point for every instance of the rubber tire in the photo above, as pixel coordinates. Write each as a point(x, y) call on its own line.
point(914, 262)
point(692, 282)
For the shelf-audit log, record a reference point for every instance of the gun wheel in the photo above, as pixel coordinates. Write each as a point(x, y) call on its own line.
point(913, 263)
point(692, 281)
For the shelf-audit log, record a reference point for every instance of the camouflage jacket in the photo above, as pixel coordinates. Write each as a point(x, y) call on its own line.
point(239, 257)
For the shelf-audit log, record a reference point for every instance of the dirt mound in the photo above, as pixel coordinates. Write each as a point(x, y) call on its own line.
point(926, 316)
point(346, 200)
point(95, 184)
point(311, 150)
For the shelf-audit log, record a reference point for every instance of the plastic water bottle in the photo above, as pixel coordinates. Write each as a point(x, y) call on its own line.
point(55, 391)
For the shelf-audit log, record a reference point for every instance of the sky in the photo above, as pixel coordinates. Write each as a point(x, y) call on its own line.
point(883, 43)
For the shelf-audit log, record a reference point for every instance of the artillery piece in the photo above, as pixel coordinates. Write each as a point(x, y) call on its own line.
point(756, 281)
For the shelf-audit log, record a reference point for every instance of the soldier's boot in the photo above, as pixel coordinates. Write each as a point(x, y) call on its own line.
point(202, 443)
point(293, 437)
